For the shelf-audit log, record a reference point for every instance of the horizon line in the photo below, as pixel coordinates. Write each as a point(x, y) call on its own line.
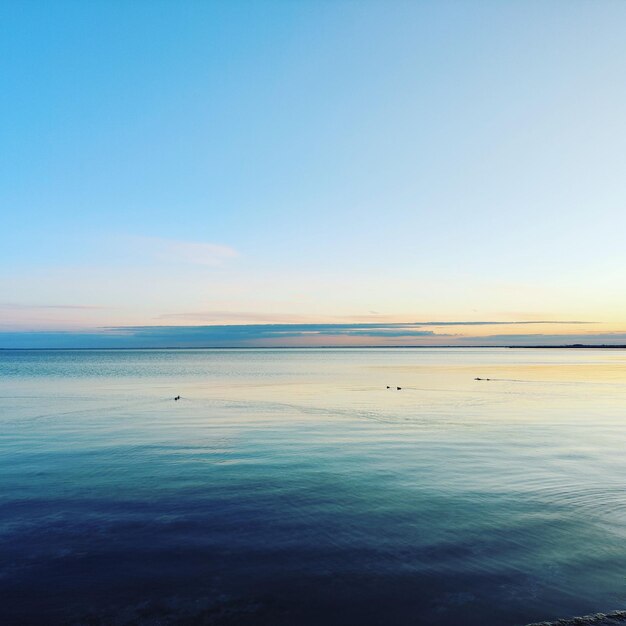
point(329, 347)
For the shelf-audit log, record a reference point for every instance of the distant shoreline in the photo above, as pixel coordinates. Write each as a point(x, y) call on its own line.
point(576, 346)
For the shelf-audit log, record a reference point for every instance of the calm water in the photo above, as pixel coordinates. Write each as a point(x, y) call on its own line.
point(291, 487)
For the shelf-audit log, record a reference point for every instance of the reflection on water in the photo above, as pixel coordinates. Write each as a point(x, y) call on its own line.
point(293, 487)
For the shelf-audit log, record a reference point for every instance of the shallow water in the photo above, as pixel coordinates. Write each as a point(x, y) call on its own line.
point(292, 487)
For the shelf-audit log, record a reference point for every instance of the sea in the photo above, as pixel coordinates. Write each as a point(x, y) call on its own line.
point(402, 486)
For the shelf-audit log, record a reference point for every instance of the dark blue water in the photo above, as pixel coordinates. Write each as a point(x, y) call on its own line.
point(292, 487)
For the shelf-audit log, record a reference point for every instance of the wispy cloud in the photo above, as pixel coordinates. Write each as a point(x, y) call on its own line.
point(234, 317)
point(239, 317)
point(193, 252)
point(26, 307)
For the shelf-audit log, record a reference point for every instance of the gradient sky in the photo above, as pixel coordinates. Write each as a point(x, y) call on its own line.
point(246, 163)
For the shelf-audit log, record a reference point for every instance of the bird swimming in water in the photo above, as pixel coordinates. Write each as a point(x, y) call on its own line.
point(398, 388)
point(177, 398)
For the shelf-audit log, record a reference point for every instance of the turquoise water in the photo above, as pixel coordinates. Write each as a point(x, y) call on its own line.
point(292, 487)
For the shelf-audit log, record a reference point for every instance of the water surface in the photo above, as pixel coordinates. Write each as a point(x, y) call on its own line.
point(292, 487)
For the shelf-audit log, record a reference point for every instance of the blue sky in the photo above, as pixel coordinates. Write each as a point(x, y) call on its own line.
point(246, 163)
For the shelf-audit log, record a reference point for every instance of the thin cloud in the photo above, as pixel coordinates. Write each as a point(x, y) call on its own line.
point(250, 334)
point(501, 323)
point(286, 318)
point(25, 307)
point(237, 317)
point(247, 334)
point(192, 252)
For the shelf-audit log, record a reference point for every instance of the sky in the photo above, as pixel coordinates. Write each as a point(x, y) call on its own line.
point(312, 173)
